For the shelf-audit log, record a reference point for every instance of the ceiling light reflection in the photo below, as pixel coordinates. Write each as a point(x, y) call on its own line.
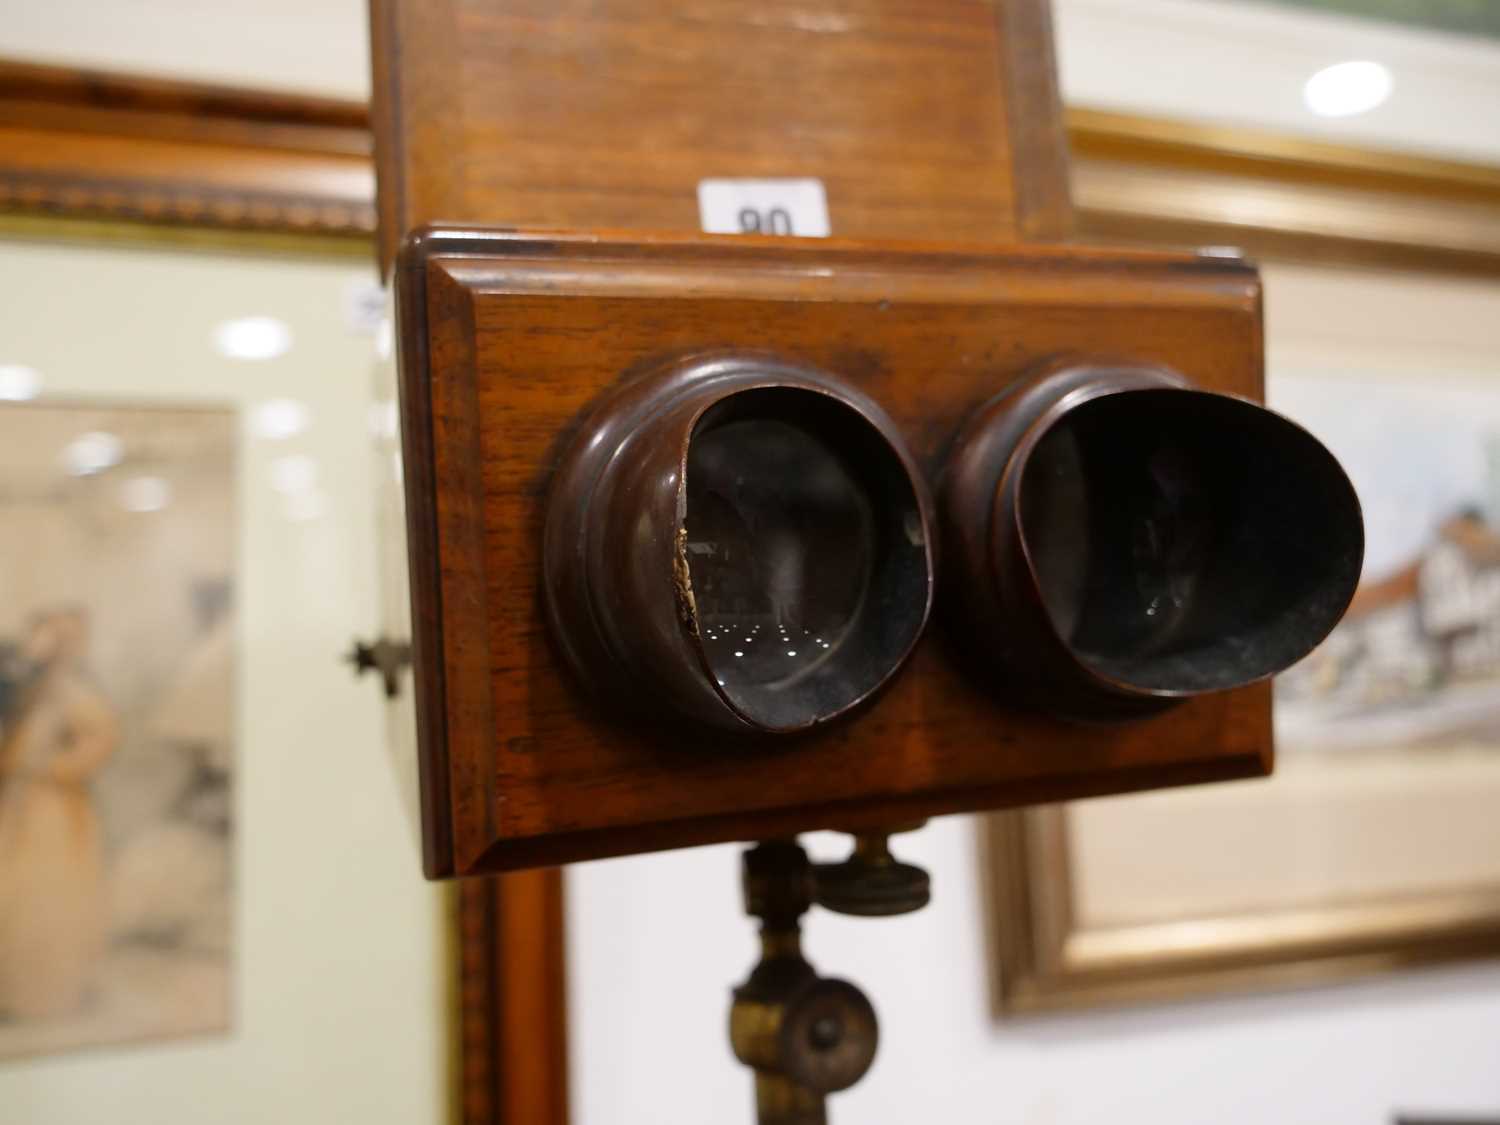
point(304, 507)
point(294, 474)
point(18, 383)
point(279, 419)
point(253, 337)
point(145, 494)
point(92, 453)
point(1348, 88)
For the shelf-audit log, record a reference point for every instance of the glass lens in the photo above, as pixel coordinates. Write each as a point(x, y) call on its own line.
point(779, 545)
point(1121, 543)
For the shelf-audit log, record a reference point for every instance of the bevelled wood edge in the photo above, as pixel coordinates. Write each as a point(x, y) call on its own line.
point(571, 847)
point(418, 471)
point(512, 1018)
point(451, 381)
point(445, 556)
point(89, 144)
point(464, 243)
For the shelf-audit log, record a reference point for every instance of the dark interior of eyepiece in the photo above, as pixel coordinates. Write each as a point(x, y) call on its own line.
point(805, 552)
point(1188, 542)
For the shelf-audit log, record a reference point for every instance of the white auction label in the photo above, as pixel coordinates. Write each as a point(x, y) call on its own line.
point(797, 207)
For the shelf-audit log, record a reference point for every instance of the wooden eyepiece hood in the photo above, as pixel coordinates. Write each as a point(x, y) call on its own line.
point(1119, 540)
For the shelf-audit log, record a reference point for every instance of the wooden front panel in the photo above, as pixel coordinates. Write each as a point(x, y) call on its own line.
point(507, 340)
point(924, 120)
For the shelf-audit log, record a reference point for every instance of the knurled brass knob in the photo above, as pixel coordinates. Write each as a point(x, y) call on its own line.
point(872, 883)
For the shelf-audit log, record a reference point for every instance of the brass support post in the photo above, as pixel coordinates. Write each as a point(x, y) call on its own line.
point(804, 1035)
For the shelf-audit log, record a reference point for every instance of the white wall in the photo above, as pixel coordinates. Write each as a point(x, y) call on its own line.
point(656, 943)
point(1245, 64)
point(313, 46)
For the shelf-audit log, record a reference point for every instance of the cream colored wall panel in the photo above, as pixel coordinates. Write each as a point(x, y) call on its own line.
point(339, 982)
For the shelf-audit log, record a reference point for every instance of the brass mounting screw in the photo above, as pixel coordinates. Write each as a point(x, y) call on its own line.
point(872, 883)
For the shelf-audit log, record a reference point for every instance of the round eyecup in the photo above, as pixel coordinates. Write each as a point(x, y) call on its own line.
point(1121, 540)
point(739, 541)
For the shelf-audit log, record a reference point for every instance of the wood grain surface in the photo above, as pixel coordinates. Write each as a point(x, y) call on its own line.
point(513, 1036)
point(935, 120)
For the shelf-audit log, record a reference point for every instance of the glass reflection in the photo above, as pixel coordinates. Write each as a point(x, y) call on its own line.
point(1122, 526)
point(779, 549)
